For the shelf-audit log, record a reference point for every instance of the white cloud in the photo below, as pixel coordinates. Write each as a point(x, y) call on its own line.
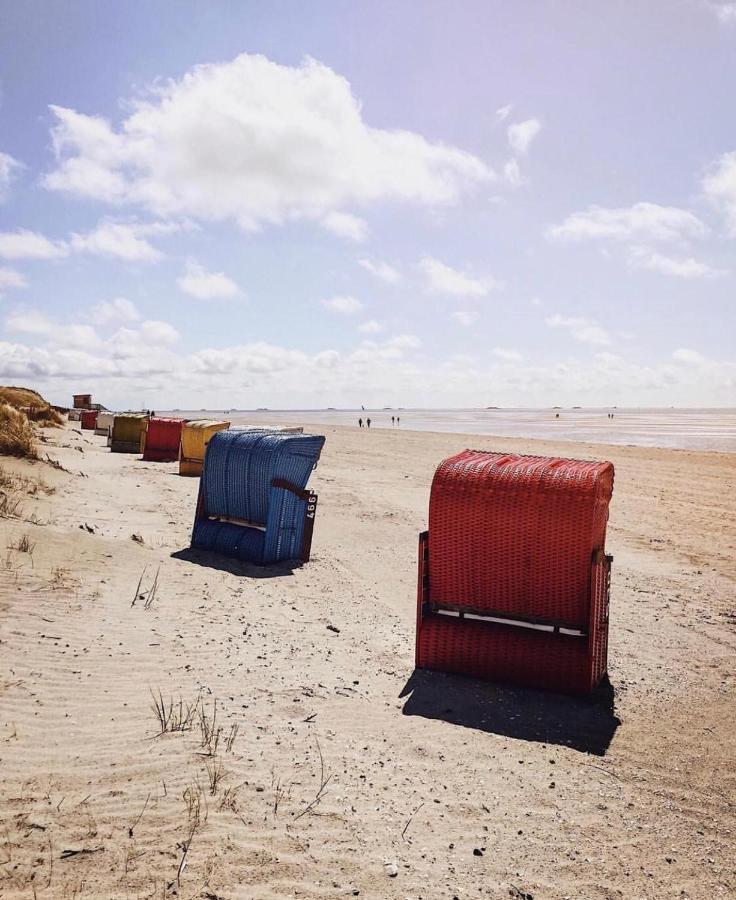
point(442, 279)
point(521, 135)
point(29, 322)
point(8, 170)
point(391, 372)
point(381, 270)
point(725, 12)
point(507, 355)
point(512, 174)
point(156, 332)
point(10, 278)
point(640, 222)
point(345, 305)
point(503, 112)
point(24, 244)
point(34, 322)
point(254, 142)
point(641, 258)
point(198, 282)
point(585, 330)
point(689, 357)
point(372, 326)
point(346, 225)
point(117, 310)
point(719, 185)
point(464, 317)
point(122, 240)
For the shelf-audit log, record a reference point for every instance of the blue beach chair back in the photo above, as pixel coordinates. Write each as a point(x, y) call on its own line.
point(238, 478)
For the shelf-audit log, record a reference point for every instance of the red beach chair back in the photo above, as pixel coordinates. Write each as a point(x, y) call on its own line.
point(162, 439)
point(517, 539)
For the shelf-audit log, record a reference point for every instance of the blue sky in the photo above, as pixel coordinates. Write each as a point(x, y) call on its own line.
point(422, 203)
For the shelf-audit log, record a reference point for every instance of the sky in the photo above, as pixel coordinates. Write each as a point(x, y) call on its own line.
point(300, 205)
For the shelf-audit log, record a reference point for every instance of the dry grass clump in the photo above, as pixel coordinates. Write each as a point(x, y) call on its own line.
point(16, 433)
point(32, 404)
point(19, 397)
point(30, 485)
point(45, 416)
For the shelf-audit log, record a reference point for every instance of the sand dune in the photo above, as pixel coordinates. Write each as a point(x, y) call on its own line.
point(338, 772)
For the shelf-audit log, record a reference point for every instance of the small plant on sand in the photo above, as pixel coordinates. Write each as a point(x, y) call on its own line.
point(172, 716)
point(60, 578)
point(216, 771)
point(16, 433)
point(10, 507)
point(209, 730)
point(23, 545)
point(195, 801)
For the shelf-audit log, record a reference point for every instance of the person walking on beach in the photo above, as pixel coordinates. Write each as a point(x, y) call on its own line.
point(368, 422)
point(392, 421)
point(398, 421)
point(360, 423)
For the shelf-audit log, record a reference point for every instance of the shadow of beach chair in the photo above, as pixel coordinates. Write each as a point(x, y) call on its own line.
point(513, 582)
point(253, 504)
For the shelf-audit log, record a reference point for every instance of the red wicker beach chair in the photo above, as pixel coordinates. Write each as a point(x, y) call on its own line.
point(88, 419)
point(513, 574)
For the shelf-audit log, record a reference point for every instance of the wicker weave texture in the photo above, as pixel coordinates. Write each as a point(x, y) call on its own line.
point(162, 440)
point(515, 534)
point(505, 653)
point(88, 419)
point(195, 436)
point(238, 477)
point(240, 466)
point(128, 428)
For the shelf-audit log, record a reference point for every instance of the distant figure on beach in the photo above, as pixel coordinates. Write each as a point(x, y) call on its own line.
point(360, 422)
point(557, 415)
point(368, 422)
point(398, 421)
point(393, 419)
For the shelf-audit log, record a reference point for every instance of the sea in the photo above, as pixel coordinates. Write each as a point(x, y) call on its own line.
point(685, 429)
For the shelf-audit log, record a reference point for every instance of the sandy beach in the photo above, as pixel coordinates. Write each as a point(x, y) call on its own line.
point(338, 771)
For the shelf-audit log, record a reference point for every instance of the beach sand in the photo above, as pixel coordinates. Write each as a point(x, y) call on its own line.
point(348, 775)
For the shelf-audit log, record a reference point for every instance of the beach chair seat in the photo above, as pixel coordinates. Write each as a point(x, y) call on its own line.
point(253, 503)
point(513, 576)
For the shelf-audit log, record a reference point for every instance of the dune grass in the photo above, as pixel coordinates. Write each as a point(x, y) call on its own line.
point(16, 433)
point(33, 404)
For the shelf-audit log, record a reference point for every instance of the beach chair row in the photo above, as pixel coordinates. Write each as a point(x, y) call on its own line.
point(513, 579)
point(161, 438)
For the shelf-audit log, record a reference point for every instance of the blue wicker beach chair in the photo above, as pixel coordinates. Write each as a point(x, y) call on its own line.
point(253, 503)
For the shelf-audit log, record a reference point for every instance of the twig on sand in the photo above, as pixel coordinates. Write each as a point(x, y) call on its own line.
point(67, 854)
point(323, 782)
point(185, 848)
point(601, 769)
point(152, 591)
point(409, 820)
point(138, 588)
point(131, 829)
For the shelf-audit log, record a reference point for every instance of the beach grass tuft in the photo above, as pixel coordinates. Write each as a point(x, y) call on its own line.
point(16, 433)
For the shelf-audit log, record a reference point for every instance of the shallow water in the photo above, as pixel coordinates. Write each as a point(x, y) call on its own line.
point(690, 429)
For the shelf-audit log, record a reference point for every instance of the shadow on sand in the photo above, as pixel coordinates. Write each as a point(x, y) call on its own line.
point(583, 723)
point(211, 560)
